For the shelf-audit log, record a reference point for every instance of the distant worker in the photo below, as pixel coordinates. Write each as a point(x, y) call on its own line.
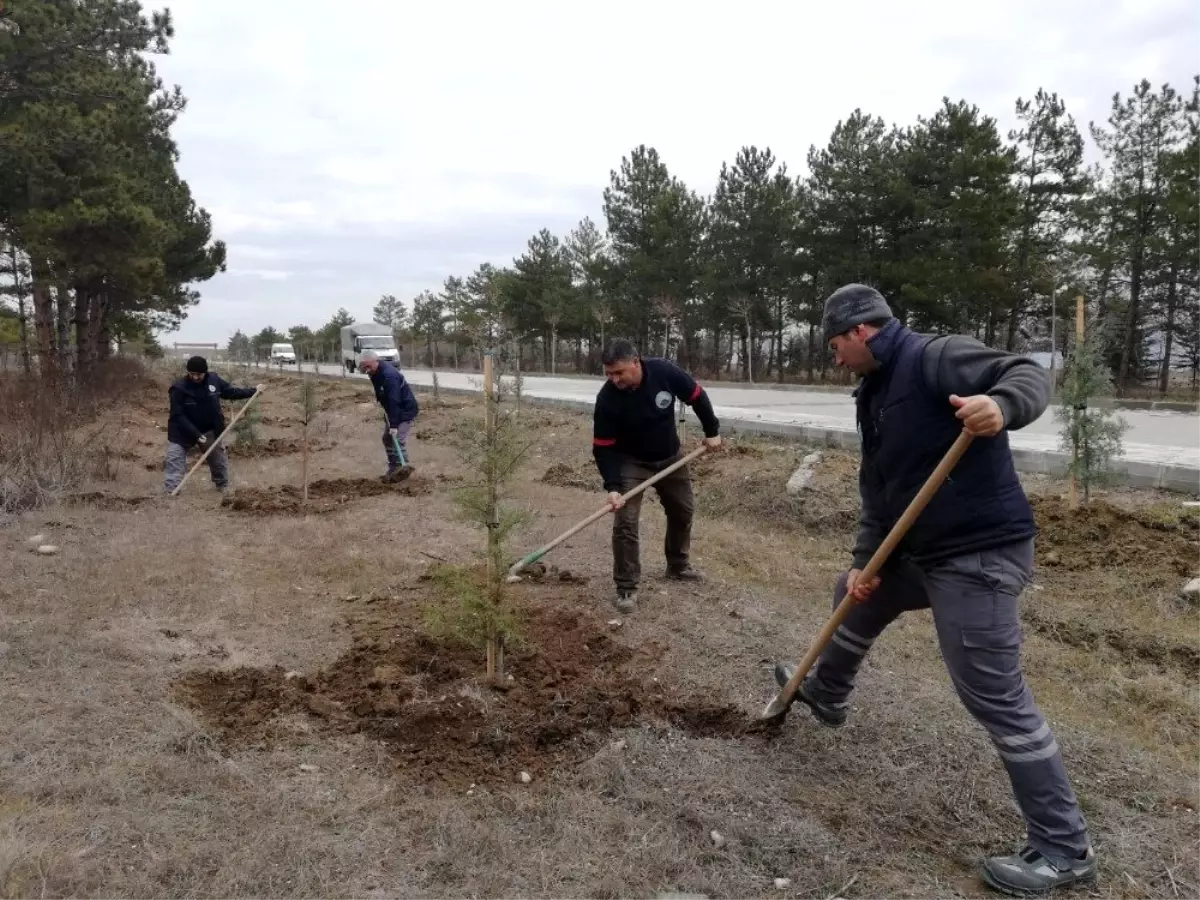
point(966, 558)
point(195, 420)
point(634, 438)
point(399, 403)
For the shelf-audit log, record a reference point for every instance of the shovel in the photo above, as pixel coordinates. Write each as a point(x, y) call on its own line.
point(405, 469)
point(213, 445)
point(513, 572)
point(778, 707)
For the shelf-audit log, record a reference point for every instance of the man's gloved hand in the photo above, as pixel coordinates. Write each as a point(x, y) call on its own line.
point(202, 440)
point(394, 432)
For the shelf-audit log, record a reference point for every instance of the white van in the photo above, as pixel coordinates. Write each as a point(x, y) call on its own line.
point(283, 353)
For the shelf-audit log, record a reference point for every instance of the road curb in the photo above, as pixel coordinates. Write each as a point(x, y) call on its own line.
point(1176, 478)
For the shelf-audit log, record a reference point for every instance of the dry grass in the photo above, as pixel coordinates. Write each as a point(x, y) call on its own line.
point(110, 787)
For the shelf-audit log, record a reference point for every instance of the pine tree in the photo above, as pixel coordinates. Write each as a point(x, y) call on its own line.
point(1051, 182)
point(480, 613)
point(1091, 434)
point(1142, 132)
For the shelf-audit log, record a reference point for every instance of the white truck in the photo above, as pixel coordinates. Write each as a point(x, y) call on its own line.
point(282, 354)
point(362, 336)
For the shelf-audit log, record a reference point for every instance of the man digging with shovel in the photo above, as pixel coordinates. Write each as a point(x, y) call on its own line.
point(634, 437)
point(399, 407)
point(966, 557)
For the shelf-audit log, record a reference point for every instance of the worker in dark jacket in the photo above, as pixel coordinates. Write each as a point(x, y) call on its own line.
point(196, 420)
point(398, 401)
point(967, 557)
point(634, 437)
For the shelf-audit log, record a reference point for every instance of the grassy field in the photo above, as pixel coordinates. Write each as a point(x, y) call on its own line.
point(240, 697)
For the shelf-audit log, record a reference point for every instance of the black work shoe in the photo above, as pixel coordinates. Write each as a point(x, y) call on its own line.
point(1030, 873)
point(831, 714)
point(625, 600)
point(684, 573)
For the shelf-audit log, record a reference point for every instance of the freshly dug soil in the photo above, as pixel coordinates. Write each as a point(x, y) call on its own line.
point(273, 447)
point(427, 702)
point(105, 500)
point(1102, 536)
point(565, 475)
point(324, 495)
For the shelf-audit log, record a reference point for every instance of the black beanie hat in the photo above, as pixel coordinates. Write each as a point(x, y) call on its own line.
point(197, 364)
point(852, 305)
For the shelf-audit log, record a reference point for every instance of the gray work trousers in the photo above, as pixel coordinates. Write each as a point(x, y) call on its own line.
point(402, 432)
point(973, 598)
point(175, 464)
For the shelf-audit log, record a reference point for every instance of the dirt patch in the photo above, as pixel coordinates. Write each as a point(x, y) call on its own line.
point(734, 487)
point(1103, 536)
point(1128, 643)
point(424, 699)
point(106, 500)
point(273, 447)
point(564, 475)
point(539, 572)
point(324, 495)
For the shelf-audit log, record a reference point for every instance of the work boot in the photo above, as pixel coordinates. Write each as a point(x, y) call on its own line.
point(684, 573)
point(830, 714)
point(625, 600)
point(1030, 873)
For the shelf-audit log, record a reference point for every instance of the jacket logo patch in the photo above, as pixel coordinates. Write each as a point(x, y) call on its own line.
point(212, 388)
point(662, 399)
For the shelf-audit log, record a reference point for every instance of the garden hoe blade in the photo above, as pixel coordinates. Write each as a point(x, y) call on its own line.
point(779, 706)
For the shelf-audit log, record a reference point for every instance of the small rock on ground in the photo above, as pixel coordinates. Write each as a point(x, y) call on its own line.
point(47, 550)
point(525, 778)
point(1191, 591)
point(37, 539)
point(803, 474)
point(309, 767)
point(718, 839)
point(781, 883)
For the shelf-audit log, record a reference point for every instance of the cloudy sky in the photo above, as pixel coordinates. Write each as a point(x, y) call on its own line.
point(360, 147)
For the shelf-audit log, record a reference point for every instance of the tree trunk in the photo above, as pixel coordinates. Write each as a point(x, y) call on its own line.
point(22, 312)
point(1129, 344)
point(83, 357)
point(812, 351)
point(553, 348)
point(1164, 375)
point(104, 332)
point(43, 318)
point(63, 316)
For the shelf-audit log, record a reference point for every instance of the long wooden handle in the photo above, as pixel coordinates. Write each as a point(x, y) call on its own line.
point(601, 513)
point(878, 558)
point(213, 446)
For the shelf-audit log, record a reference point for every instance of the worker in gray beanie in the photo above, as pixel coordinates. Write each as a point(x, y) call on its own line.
point(853, 305)
point(967, 557)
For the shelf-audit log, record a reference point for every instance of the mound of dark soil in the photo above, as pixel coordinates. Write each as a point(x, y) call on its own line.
point(1102, 536)
point(105, 500)
point(565, 475)
point(426, 701)
point(272, 447)
point(324, 495)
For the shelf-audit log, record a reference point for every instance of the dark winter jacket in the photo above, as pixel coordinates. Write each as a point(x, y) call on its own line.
point(196, 407)
point(394, 394)
point(640, 424)
point(907, 424)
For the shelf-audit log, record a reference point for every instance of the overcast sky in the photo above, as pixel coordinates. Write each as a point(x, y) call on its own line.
point(360, 147)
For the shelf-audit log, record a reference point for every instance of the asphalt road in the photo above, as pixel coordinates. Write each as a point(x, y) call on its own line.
point(1158, 437)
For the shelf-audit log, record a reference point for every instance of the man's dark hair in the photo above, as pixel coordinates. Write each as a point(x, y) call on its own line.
point(618, 350)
